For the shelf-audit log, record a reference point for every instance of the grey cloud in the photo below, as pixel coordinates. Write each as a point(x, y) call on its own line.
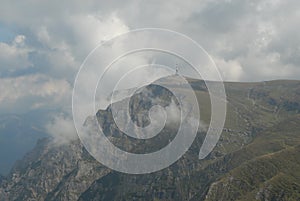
point(229, 29)
point(221, 16)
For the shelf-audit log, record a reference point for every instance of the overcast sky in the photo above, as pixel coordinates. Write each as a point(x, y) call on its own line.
point(43, 43)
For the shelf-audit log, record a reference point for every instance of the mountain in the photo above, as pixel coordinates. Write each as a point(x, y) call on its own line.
point(256, 158)
point(18, 135)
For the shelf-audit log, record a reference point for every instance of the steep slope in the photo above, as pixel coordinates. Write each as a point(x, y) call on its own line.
point(51, 172)
point(256, 157)
point(268, 167)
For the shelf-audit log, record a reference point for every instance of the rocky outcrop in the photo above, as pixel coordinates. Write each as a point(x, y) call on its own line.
point(51, 172)
point(255, 159)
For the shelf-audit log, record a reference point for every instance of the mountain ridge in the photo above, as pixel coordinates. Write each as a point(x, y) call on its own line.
point(262, 124)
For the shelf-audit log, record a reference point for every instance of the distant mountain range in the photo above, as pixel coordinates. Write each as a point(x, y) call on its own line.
point(18, 135)
point(256, 158)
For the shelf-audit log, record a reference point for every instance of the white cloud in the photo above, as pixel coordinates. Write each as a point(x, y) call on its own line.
point(91, 29)
point(26, 92)
point(230, 70)
point(230, 30)
point(14, 56)
point(62, 129)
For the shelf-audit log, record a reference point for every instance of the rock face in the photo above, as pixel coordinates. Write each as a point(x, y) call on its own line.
point(53, 173)
point(257, 157)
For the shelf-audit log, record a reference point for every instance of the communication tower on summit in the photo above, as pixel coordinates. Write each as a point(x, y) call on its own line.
point(177, 69)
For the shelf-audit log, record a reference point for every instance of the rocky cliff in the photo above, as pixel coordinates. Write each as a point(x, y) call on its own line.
point(257, 157)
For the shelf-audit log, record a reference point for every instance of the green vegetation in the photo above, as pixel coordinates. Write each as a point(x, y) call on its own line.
point(256, 158)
